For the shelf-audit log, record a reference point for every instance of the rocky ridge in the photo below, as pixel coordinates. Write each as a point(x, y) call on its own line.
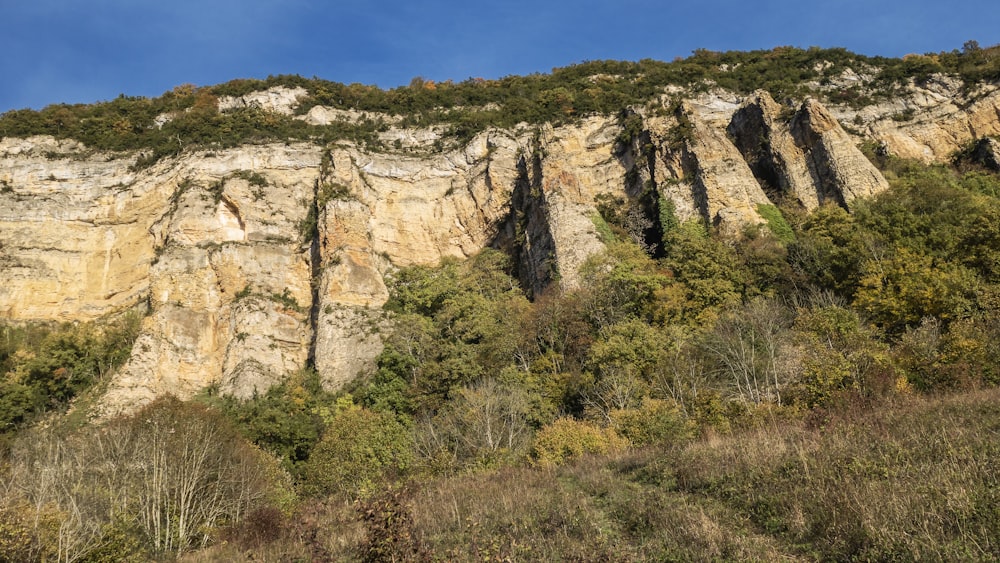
point(257, 261)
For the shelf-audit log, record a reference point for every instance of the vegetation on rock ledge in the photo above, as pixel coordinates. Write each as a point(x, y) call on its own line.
point(187, 117)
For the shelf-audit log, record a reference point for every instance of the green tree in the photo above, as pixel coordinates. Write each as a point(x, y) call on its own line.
point(828, 250)
point(487, 423)
point(287, 420)
point(904, 287)
point(360, 451)
point(707, 273)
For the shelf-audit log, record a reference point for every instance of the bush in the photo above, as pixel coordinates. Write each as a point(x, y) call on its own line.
point(568, 438)
point(776, 223)
point(360, 451)
point(655, 422)
point(44, 367)
point(162, 480)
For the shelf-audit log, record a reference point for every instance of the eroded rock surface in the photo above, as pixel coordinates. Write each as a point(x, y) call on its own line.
point(261, 260)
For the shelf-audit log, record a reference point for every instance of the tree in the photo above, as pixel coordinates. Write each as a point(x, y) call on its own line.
point(622, 361)
point(173, 471)
point(746, 348)
point(486, 423)
point(360, 450)
point(902, 288)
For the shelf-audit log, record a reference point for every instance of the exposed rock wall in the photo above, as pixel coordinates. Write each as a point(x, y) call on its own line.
point(839, 170)
point(230, 287)
point(75, 227)
point(933, 120)
point(777, 161)
point(809, 158)
point(725, 190)
point(258, 261)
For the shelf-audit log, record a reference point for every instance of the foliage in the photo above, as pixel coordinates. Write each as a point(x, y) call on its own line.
point(187, 117)
point(624, 282)
point(707, 275)
point(160, 480)
point(653, 422)
point(882, 484)
point(456, 326)
point(391, 532)
point(568, 438)
point(44, 367)
point(287, 421)
point(828, 250)
point(905, 287)
point(842, 357)
point(745, 351)
point(908, 480)
point(776, 223)
point(487, 423)
point(360, 450)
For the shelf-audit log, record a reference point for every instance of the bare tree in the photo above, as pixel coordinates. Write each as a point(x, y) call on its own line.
point(745, 348)
point(177, 470)
point(488, 420)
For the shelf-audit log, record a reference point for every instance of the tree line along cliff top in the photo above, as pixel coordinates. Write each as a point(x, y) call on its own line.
point(464, 108)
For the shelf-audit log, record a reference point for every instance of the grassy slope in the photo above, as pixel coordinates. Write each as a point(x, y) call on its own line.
point(916, 479)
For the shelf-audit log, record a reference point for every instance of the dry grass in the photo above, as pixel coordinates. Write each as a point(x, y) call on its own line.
point(916, 480)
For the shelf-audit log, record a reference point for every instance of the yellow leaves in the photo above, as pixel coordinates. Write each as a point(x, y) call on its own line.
point(568, 438)
point(185, 89)
point(122, 126)
point(902, 385)
point(901, 288)
point(654, 421)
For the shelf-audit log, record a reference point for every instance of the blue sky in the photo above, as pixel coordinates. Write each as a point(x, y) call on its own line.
point(76, 51)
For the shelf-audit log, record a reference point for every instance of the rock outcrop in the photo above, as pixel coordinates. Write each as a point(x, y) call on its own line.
point(838, 168)
point(725, 191)
point(261, 260)
point(935, 120)
point(766, 142)
point(229, 288)
point(809, 158)
point(75, 231)
point(279, 99)
point(987, 153)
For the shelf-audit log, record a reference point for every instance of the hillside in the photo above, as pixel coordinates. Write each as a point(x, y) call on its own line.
point(359, 289)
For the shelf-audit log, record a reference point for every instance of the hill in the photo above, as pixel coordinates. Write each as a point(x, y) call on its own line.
point(447, 292)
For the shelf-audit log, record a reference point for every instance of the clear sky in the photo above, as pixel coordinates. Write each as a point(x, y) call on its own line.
point(76, 51)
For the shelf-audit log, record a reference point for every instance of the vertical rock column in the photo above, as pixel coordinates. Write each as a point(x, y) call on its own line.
point(351, 289)
point(840, 170)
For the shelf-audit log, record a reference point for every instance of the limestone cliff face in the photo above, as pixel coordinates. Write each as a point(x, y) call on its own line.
point(839, 170)
point(724, 189)
point(933, 119)
point(809, 158)
point(558, 184)
point(392, 211)
point(261, 260)
point(230, 290)
point(776, 159)
point(74, 231)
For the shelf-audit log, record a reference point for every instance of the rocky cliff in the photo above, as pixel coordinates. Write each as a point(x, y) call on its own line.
point(256, 261)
